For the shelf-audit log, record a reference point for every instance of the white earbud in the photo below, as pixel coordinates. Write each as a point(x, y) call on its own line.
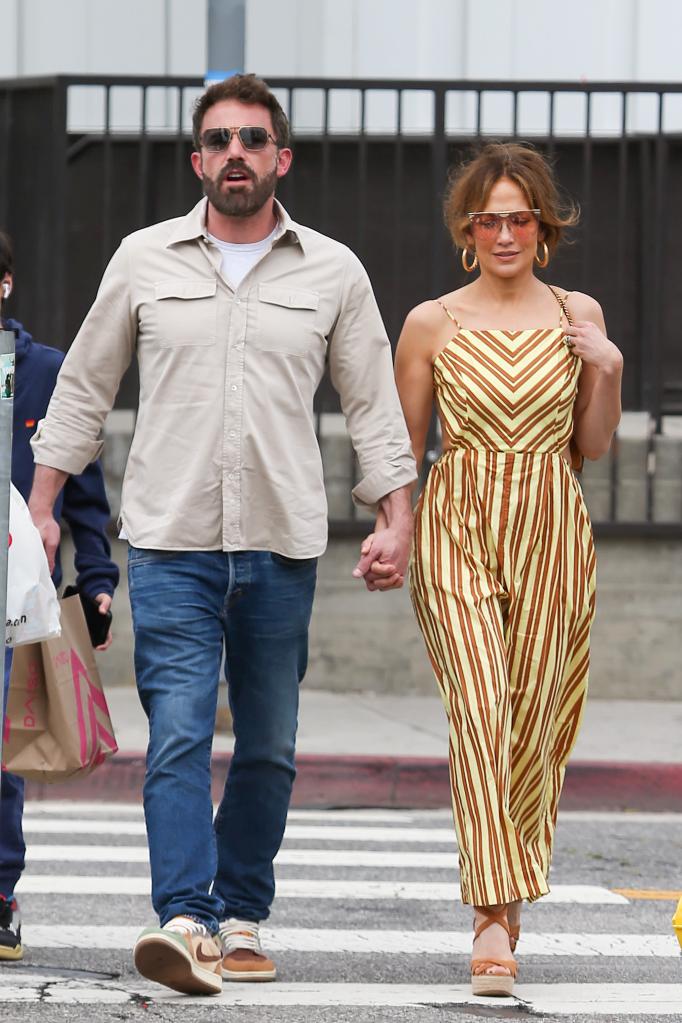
point(6, 290)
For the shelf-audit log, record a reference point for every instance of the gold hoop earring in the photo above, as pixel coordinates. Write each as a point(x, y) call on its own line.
point(469, 267)
point(542, 263)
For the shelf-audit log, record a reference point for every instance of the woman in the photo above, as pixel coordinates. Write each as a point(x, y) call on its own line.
point(502, 578)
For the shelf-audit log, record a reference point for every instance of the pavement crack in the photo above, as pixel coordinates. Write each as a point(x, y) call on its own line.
point(43, 991)
point(384, 715)
point(69, 972)
point(521, 1010)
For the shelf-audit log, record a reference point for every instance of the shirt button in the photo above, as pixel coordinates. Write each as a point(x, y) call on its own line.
point(234, 387)
point(232, 433)
point(238, 301)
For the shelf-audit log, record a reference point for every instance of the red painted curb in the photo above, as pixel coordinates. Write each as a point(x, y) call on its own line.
point(409, 782)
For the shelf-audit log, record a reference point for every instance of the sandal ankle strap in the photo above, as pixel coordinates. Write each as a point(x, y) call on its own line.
point(492, 916)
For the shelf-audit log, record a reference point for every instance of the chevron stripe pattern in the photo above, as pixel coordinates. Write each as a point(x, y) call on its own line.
point(502, 581)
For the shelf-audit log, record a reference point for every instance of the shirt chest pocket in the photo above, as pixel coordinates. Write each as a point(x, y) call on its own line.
point(288, 322)
point(185, 313)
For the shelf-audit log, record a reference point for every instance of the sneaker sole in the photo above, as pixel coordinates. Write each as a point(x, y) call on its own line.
point(11, 954)
point(253, 975)
point(163, 960)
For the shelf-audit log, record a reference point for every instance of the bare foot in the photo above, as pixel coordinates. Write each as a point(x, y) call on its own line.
point(493, 943)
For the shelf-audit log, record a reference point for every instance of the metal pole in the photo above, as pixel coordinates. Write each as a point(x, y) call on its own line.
point(226, 33)
point(6, 411)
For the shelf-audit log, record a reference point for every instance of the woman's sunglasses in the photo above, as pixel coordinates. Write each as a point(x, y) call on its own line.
point(490, 224)
point(215, 140)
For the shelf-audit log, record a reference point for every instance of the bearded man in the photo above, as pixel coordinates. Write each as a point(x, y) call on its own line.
point(233, 311)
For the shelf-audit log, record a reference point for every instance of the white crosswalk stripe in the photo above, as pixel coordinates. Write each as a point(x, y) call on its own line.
point(83, 884)
point(630, 1000)
point(384, 942)
point(343, 859)
point(379, 941)
point(298, 832)
point(49, 808)
point(299, 857)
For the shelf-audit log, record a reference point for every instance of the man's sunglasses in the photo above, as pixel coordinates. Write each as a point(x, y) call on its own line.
point(491, 223)
point(215, 140)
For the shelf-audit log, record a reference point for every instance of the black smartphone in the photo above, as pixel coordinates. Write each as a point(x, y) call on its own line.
point(98, 624)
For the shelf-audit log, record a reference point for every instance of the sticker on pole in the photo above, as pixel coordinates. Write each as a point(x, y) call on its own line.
point(6, 376)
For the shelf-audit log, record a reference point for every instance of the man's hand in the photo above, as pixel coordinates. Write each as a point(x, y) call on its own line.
point(383, 559)
point(49, 530)
point(104, 601)
point(47, 482)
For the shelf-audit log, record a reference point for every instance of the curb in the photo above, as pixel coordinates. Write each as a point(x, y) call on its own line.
point(394, 782)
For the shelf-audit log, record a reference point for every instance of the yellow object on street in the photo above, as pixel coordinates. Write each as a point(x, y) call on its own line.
point(656, 894)
point(677, 922)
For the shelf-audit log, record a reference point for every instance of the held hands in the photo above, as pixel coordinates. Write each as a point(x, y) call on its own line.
point(590, 344)
point(104, 601)
point(383, 559)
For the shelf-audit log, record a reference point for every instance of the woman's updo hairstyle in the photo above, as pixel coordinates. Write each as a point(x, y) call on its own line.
point(471, 183)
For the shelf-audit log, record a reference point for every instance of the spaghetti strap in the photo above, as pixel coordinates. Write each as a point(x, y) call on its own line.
point(449, 313)
point(562, 305)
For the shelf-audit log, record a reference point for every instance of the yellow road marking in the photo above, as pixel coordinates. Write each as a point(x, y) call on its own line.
point(648, 893)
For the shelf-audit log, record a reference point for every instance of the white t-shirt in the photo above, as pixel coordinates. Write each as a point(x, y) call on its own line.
point(239, 258)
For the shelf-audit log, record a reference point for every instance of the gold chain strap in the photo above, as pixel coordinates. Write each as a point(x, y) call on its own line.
point(562, 302)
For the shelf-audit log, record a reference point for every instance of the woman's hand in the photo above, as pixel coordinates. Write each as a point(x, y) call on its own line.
point(591, 345)
point(597, 409)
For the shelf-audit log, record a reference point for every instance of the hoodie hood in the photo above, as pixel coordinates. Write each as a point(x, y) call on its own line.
point(23, 338)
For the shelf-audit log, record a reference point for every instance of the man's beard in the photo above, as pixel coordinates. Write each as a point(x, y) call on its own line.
point(243, 202)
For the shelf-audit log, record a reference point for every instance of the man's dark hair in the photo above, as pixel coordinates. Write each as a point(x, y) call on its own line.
point(246, 89)
point(6, 255)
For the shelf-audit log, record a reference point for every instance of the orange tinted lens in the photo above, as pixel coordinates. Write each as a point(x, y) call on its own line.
point(489, 224)
point(486, 223)
point(521, 222)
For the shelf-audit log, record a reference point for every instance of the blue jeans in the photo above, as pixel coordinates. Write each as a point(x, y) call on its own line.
point(185, 606)
point(12, 846)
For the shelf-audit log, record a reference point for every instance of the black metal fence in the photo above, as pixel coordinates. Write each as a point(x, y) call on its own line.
point(84, 161)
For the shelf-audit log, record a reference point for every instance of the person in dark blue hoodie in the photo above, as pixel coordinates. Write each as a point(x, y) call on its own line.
point(83, 505)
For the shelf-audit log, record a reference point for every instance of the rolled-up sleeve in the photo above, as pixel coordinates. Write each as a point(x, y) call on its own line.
point(361, 370)
point(70, 435)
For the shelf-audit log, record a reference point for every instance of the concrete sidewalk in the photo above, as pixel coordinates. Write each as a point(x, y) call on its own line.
point(367, 724)
point(361, 749)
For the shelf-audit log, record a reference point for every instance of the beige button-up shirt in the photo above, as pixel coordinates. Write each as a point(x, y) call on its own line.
point(224, 455)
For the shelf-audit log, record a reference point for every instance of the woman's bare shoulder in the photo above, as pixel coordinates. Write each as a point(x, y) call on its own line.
point(581, 306)
point(428, 317)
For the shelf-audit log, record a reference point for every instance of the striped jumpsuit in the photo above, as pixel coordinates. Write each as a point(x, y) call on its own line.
point(502, 581)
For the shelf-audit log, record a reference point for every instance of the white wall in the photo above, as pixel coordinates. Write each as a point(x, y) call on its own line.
point(45, 37)
point(593, 40)
point(100, 37)
point(629, 40)
point(518, 39)
point(535, 39)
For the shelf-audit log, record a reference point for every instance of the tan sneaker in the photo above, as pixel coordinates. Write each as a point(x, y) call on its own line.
point(182, 955)
point(243, 957)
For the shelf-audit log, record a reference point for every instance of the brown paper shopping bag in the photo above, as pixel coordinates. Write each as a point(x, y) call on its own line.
point(57, 724)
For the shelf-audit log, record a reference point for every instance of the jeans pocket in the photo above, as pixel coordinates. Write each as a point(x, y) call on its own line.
point(145, 556)
point(293, 563)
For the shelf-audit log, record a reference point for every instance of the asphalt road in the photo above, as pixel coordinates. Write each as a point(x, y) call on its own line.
point(367, 925)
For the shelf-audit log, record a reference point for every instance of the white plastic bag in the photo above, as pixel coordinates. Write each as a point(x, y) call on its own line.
point(32, 605)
